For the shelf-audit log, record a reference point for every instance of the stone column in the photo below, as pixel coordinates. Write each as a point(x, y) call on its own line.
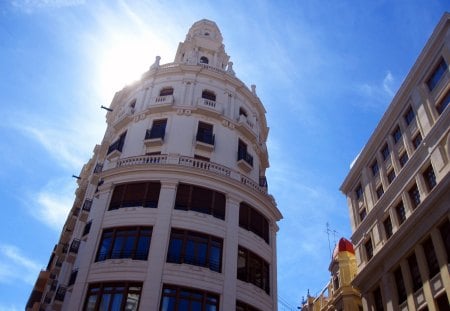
point(423, 269)
point(387, 291)
point(408, 284)
point(439, 249)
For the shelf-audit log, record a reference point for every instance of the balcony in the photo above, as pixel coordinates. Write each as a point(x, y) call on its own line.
point(245, 161)
point(87, 205)
point(155, 136)
point(74, 246)
point(246, 126)
point(205, 141)
point(60, 293)
point(73, 277)
point(115, 149)
point(210, 107)
point(163, 100)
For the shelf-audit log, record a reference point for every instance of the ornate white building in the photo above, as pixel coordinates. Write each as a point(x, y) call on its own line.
point(172, 211)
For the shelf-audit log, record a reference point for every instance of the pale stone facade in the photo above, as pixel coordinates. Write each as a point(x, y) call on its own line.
point(181, 169)
point(398, 191)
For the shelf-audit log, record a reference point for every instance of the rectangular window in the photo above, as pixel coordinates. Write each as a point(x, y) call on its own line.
point(118, 144)
point(430, 178)
point(128, 242)
point(401, 289)
point(176, 298)
point(113, 296)
point(359, 192)
point(385, 151)
point(196, 249)
point(378, 300)
point(87, 228)
point(387, 224)
point(374, 167)
point(253, 269)
point(417, 140)
point(414, 195)
point(401, 213)
point(205, 133)
point(144, 194)
point(437, 74)
point(252, 220)
point(444, 229)
point(369, 249)
point(201, 200)
point(430, 255)
point(362, 214)
point(397, 134)
point(380, 191)
point(443, 103)
point(403, 159)
point(243, 154)
point(414, 271)
point(242, 306)
point(158, 129)
point(409, 116)
point(391, 176)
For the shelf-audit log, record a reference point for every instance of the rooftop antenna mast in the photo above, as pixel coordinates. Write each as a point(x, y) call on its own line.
point(330, 231)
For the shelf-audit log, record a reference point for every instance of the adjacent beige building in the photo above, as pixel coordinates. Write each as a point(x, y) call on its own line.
point(172, 211)
point(398, 191)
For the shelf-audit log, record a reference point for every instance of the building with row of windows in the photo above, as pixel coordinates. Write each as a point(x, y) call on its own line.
point(398, 191)
point(172, 211)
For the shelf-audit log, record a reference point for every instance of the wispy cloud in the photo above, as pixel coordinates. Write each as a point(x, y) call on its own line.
point(14, 266)
point(381, 92)
point(29, 6)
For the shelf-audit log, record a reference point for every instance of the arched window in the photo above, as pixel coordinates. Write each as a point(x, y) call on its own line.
point(208, 95)
point(242, 112)
point(133, 104)
point(166, 91)
point(204, 60)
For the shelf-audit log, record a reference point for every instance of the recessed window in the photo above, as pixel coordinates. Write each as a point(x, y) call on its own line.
point(430, 255)
point(196, 249)
point(444, 229)
point(158, 129)
point(253, 269)
point(387, 224)
point(205, 133)
point(87, 228)
point(209, 95)
point(399, 282)
point(380, 191)
point(140, 194)
point(204, 60)
point(391, 176)
point(166, 91)
point(113, 296)
point(397, 134)
point(189, 299)
point(243, 154)
point(242, 306)
point(430, 178)
point(409, 116)
point(201, 200)
point(242, 112)
point(403, 159)
point(359, 192)
point(414, 271)
point(414, 195)
point(401, 212)
point(374, 167)
point(385, 151)
point(252, 220)
point(362, 214)
point(369, 249)
point(443, 103)
point(118, 144)
point(128, 242)
point(378, 300)
point(437, 74)
point(417, 140)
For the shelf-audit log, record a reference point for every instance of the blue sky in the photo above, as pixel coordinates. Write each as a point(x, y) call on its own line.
point(325, 71)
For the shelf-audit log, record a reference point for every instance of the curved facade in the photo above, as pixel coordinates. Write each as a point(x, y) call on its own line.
point(172, 211)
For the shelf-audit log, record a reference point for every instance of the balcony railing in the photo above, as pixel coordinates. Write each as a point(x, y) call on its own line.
point(117, 145)
point(74, 246)
point(154, 133)
point(87, 205)
point(243, 155)
point(60, 293)
point(73, 277)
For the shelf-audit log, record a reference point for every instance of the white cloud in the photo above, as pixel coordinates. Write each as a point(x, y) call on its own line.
point(16, 266)
point(381, 92)
point(387, 84)
point(9, 308)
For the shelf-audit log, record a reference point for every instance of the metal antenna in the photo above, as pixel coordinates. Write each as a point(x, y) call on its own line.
point(332, 231)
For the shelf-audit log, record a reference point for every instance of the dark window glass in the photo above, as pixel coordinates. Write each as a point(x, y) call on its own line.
point(380, 191)
point(202, 200)
point(166, 91)
point(414, 195)
point(397, 134)
point(362, 214)
point(252, 220)
point(145, 194)
point(443, 103)
point(243, 154)
point(199, 157)
point(369, 249)
point(253, 269)
point(242, 112)
point(415, 273)
point(242, 306)
point(387, 223)
point(158, 129)
point(205, 133)
point(378, 300)
point(359, 192)
point(87, 228)
point(374, 167)
point(391, 176)
point(204, 60)
point(430, 178)
point(409, 116)
point(437, 74)
point(113, 297)
point(195, 249)
point(442, 302)
point(401, 213)
point(209, 95)
point(445, 234)
point(128, 242)
point(118, 144)
point(417, 140)
point(401, 290)
point(385, 151)
point(177, 298)
point(430, 255)
point(403, 159)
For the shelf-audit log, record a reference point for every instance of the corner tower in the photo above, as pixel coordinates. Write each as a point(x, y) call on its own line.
point(172, 210)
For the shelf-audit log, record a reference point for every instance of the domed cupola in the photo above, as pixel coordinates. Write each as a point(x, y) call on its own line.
point(203, 46)
point(343, 245)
